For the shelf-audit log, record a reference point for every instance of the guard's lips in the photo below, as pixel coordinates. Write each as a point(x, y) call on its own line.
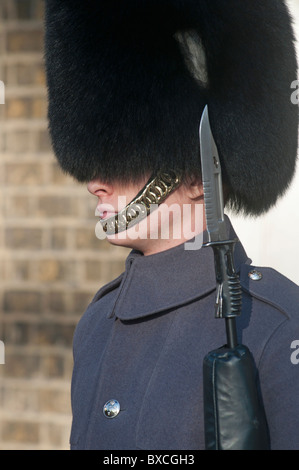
point(104, 211)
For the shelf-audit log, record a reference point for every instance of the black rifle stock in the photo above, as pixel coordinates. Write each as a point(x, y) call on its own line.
point(233, 410)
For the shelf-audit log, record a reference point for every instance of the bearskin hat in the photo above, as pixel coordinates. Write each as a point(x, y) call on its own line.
point(128, 81)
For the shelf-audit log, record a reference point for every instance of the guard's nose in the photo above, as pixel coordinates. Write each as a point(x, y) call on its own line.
point(98, 188)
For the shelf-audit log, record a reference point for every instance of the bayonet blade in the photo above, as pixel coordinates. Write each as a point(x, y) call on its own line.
point(212, 181)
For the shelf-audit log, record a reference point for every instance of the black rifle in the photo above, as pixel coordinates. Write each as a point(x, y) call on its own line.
point(233, 411)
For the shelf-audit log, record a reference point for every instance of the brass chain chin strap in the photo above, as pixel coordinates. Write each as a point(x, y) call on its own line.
point(156, 190)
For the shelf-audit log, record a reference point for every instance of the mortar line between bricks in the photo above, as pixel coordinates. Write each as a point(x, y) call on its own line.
point(38, 383)
point(20, 57)
point(38, 416)
point(17, 91)
point(25, 124)
point(44, 350)
point(18, 157)
point(66, 318)
point(22, 25)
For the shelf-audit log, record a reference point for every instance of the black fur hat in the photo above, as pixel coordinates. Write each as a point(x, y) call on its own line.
point(128, 81)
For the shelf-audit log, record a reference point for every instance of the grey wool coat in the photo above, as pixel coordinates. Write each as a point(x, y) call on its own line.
point(142, 342)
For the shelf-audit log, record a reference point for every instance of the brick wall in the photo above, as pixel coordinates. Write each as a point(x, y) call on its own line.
point(51, 263)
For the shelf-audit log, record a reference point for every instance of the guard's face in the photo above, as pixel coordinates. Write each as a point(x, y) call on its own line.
point(176, 220)
point(113, 197)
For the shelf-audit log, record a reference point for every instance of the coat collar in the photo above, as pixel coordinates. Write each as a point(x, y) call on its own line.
point(163, 281)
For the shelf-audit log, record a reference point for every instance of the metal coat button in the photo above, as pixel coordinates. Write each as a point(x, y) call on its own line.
point(255, 275)
point(111, 409)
